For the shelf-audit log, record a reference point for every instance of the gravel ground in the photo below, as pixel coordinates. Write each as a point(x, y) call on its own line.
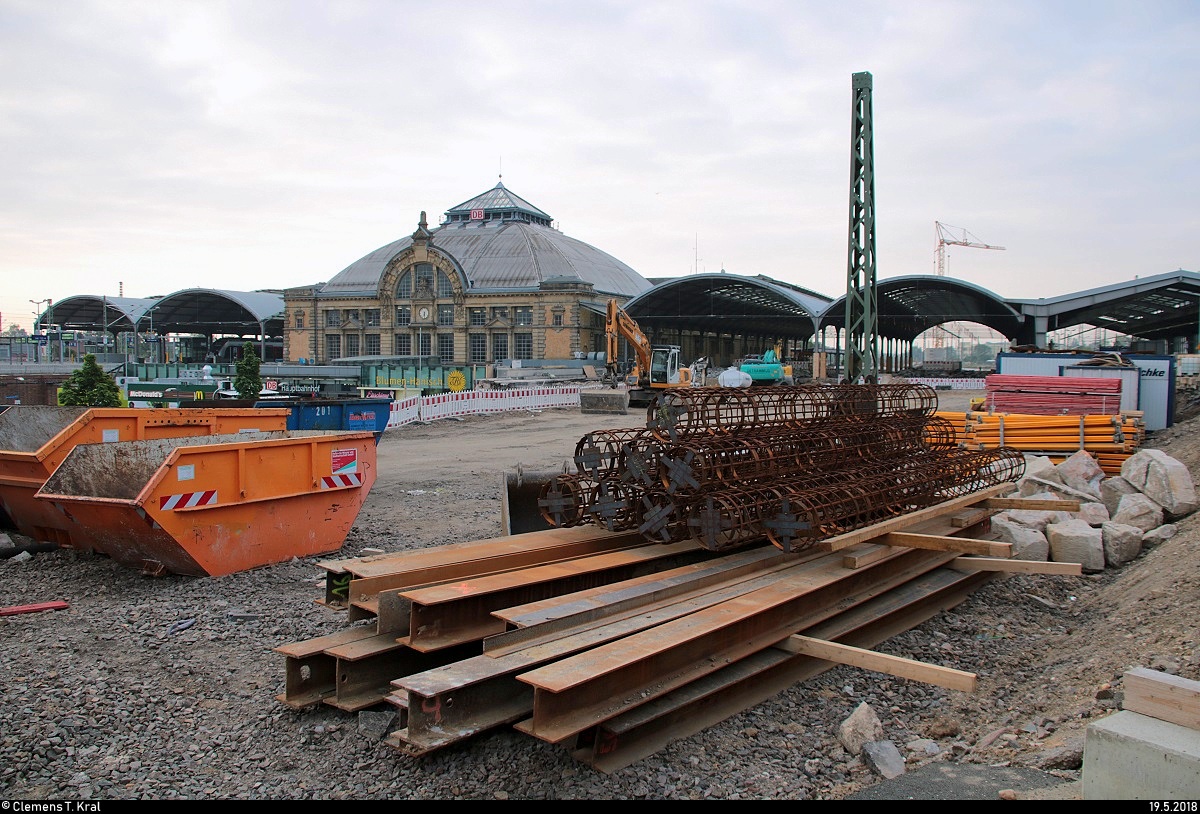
point(164, 688)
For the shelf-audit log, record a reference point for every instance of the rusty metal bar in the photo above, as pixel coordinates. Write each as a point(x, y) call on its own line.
point(575, 693)
point(448, 614)
point(623, 740)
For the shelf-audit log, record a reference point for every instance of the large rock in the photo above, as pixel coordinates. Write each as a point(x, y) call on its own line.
point(1038, 470)
point(1082, 472)
point(1122, 543)
point(1164, 479)
point(883, 758)
point(1139, 510)
point(1113, 489)
point(1076, 541)
point(1159, 535)
point(1094, 513)
point(1038, 518)
point(862, 727)
point(1027, 543)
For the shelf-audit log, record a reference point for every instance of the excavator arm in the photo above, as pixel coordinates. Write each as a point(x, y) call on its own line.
point(619, 325)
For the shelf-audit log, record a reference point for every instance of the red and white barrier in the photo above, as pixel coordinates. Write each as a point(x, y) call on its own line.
point(404, 411)
point(479, 402)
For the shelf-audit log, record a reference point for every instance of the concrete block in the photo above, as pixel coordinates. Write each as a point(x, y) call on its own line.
point(604, 401)
point(1129, 756)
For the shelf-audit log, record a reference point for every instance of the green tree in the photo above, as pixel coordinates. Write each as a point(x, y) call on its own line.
point(248, 381)
point(90, 386)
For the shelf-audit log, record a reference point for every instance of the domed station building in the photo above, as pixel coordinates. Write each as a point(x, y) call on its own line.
point(494, 281)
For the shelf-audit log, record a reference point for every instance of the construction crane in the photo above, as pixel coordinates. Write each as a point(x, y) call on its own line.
point(947, 236)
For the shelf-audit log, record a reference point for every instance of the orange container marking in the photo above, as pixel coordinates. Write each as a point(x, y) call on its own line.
point(219, 505)
point(35, 439)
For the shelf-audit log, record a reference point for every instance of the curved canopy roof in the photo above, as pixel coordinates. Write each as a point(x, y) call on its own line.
point(729, 303)
point(84, 312)
point(909, 306)
point(208, 311)
point(499, 241)
point(192, 311)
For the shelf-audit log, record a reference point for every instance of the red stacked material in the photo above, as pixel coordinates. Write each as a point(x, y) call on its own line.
point(1053, 395)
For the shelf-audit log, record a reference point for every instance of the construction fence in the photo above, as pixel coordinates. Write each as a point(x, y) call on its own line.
point(479, 402)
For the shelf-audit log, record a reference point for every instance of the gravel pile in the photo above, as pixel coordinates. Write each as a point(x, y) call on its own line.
point(164, 688)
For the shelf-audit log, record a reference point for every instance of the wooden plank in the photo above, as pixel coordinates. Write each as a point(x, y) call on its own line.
point(1033, 504)
point(904, 521)
point(867, 554)
point(1073, 569)
point(936, 542)
point(1163, 696)
point(966, 519)
point(879, 662)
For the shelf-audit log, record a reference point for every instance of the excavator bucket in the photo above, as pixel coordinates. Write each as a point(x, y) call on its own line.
point(217, 505)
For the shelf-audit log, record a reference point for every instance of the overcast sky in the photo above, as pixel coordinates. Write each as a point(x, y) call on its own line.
point(149, 147)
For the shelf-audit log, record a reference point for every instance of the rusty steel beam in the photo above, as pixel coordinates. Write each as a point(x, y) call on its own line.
point(625, 739)
point(575, 693)
point(455, 702)
point(451, 613)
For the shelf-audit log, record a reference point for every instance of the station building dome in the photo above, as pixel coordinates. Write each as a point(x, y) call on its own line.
point(494, 281)
point(498, 241)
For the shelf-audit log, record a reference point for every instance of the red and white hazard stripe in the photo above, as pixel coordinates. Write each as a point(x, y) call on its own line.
point(150, 521)
point(339, 481)
point(188, 499)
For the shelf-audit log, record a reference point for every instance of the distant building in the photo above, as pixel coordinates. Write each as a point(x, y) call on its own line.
point(494, 281)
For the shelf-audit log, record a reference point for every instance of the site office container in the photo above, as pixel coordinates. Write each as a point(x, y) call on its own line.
point(35, 439)
point(218, 505)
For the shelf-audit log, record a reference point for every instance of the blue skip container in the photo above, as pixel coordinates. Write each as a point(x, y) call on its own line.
point(347, 415)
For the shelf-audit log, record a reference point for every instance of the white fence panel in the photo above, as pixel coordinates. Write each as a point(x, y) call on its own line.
point(404, 411)
point(479, 402)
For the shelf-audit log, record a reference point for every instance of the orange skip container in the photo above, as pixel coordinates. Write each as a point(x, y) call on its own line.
point(35, 439)
point(216, 505)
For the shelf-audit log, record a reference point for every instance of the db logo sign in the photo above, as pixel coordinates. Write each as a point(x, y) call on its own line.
point(476, 214)
point(271, 384)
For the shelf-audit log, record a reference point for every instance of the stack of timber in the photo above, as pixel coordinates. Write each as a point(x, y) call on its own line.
point(612, 647)
point(1110, 439)
point(1052, 395)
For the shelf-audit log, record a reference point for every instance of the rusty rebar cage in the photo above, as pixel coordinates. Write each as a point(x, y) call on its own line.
point(731, 467)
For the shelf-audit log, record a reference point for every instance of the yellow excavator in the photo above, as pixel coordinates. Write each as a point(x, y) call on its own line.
point(655, 367)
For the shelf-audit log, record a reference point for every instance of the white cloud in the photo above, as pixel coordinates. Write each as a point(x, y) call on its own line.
point(166, 145)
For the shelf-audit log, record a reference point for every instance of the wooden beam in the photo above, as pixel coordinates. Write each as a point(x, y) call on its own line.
point(867, 555)
point(879, 662)
point(1163, 696)
point(936, 542)
point(1034, 504)
point(907, 520)
point(966, 519)
point(1074, 569)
